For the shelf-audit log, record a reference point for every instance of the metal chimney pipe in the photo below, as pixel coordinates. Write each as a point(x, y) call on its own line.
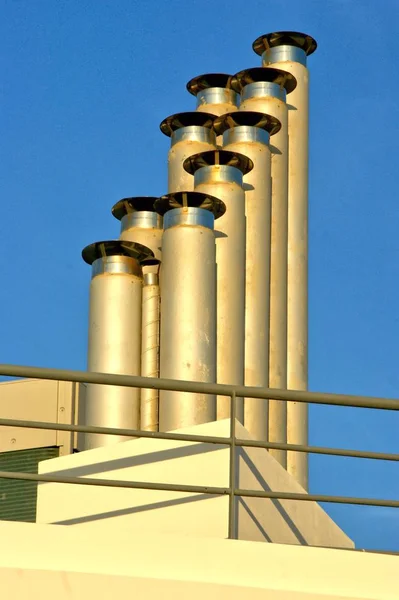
point(150, 328)
point(220, 173)
point(265, 90)
point(214, 94)
point(190, 132)
point(248, 133)
point(140, 223)
point(288, 50)
point(114, 335)
point(188, 316)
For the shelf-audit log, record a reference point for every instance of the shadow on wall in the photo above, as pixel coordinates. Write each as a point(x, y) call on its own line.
point(249, 512)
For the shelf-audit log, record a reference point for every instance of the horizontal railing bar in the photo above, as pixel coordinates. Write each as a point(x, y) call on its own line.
point(115, 483)
point(317, 450)
point(205, 439)
point(317, 498)
point(134, 433)
point(196, 489)
point(198, 387)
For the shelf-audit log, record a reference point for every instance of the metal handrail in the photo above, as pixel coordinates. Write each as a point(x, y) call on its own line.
point(208, 439)
point(199, 489)
point(218, 389)
point(232, 467)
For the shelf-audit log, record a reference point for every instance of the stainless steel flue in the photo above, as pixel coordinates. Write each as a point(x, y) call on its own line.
point(288, 50)
point(265, 90)
point(189, 132)
point(150, 348)
point(220, 174)
point(249, 133)
point(140, 223)
point(214, 94)
point(188, 315)
point(114, 335)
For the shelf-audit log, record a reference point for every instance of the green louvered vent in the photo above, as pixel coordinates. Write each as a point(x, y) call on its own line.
point(18, 498)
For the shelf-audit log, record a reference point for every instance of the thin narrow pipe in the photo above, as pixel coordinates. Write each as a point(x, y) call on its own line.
point(197, 489)
point(232, 469)
point(318, 498)
point(150, 351)
point(320, 450)
point(135, 485)
point(195, 387)
point(156, 435)
point(198, 438)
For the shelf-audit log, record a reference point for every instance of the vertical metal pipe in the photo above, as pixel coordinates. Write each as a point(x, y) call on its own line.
point(288, 51)
point(214, 94)
point(140, 223)
point(189, 133)
point(114, 335)
point(188, 316)
point(265, 90)
point(248, 133)
point(233, 508)
point(150, 351)
point(220, 174)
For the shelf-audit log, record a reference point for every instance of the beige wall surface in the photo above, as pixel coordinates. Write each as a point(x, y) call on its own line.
point(18, 584)
point(164, 461)
point(49, 561)
point(39, 400)
point(31, 400)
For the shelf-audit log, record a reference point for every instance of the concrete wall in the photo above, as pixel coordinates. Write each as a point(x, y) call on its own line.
point(163, 461)
point(43, 562)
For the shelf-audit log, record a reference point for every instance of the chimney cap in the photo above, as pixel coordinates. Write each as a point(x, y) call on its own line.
point(193, 199)
point(186, 119)
point(208, 80)
point(270, 74)
point(285, 38)
point(116, 248)
point(150, 262)
point(218, 157)
point(134, 204)
point(249, 118)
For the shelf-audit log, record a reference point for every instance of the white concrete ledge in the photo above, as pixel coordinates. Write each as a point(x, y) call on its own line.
point(50, 561)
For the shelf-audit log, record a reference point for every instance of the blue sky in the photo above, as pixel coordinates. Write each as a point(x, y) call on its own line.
point(85, 84)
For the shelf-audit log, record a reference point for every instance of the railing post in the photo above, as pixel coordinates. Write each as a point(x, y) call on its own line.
point(232, 475)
